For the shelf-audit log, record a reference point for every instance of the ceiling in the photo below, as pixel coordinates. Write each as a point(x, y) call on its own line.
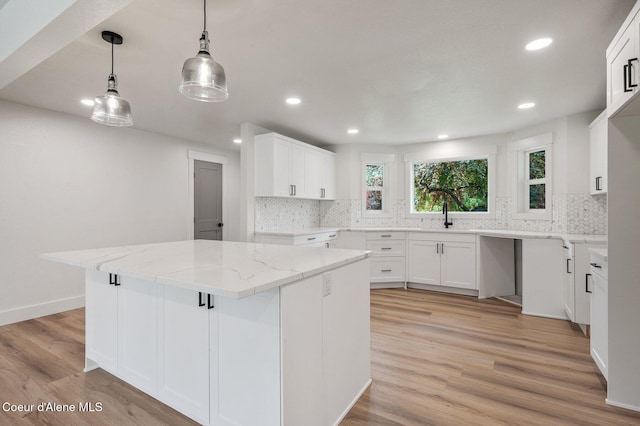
point(400, 71)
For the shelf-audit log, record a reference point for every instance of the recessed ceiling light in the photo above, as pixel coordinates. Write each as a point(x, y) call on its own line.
point(538, 44)
point(87, 102)
point(237, 141)
point(353, 131)
point(526, 105)
point(443, 136)
point(293, 101)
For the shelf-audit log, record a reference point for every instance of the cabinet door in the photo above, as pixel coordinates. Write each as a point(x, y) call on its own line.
point(137, 333)
point(297, 171)
point(424, 262)
point(313, 172)
point(281, 164)
point(458, 264)
point(101, 321)
point(599, 323)
point(568, 290)
point(328, 176)
point(183, 352)
point(598, 155)
point(617, 65)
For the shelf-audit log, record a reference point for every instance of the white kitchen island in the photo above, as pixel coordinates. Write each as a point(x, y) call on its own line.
point(231, 333)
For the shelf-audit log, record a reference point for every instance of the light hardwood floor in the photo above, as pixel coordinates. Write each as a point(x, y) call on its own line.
point(436, 359)
point(441, 359)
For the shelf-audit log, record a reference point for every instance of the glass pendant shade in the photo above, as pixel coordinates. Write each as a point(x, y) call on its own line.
point(111, 109)
point(203, 79)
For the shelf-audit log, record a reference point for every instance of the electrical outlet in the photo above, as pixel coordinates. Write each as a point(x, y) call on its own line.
point(326, 284)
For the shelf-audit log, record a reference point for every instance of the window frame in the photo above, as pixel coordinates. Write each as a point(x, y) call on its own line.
point(520, 151)
point(411, 160)
point(387, 161)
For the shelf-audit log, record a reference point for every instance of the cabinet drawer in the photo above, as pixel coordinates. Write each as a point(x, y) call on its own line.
point(442, 237)
point(387, 248)
point(599, 266)
point(309, 239)
point(383, 269)
point(385, 235)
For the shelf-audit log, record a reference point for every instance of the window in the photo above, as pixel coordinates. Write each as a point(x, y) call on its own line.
point(463, 184)
point(532, 182)
point(377, 173)
point(374, 183)
point(536, 181)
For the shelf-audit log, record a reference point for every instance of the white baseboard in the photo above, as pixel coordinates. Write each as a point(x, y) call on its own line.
point(443, 289)
point(344, 414)
point(621, 405)
point(35, 311)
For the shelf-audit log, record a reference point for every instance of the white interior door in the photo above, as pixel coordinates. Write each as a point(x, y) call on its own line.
point(207, 201)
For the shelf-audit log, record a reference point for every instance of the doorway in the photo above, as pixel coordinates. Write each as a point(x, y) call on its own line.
point(207, 197)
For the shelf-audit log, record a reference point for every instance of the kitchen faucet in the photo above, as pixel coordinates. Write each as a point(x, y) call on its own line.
point(445, 212)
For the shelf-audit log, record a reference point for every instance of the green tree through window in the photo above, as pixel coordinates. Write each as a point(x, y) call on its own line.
point(462, 184)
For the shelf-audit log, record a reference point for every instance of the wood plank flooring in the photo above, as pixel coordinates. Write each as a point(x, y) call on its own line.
point(440, 359)
point(437, 359)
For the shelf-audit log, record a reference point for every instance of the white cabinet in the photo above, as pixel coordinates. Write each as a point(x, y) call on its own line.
point(101, 327)
point(286, 167)
point(576, 292)
point(623, 65)
point(442, 259)
point(183, 350)
point(598, 155)
point(388, 262)
point(599, 314)
point(121, 335)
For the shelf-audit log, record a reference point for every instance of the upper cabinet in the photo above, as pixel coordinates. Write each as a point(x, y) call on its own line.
point(598, 155)
point(289, 168)
point(622, 64)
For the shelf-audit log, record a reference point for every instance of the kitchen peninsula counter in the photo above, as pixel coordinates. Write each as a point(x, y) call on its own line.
point(231, 333)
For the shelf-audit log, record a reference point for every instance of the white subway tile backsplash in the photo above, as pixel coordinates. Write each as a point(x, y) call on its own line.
point(572, 213)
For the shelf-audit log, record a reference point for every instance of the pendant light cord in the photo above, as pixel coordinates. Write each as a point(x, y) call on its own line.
point(205, 14)
point(111, 55)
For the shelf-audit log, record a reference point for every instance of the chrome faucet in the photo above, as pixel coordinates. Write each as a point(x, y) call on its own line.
point(445, 212)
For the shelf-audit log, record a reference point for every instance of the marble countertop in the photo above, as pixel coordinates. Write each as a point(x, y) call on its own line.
point(224, 268)
point(500, 233)
point(602, 252)
point(299, 231)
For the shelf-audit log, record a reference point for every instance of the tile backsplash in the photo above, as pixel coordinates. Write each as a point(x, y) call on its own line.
point(572, 213)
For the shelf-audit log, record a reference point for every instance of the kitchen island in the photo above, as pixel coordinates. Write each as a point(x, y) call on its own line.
point(231, 333)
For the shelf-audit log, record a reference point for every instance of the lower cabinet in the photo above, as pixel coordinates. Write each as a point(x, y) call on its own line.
point(442, 259)
point(599, 339)
point(576, 292)
point(388, 262)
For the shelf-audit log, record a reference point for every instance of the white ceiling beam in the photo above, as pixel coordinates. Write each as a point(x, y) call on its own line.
point(33, 30)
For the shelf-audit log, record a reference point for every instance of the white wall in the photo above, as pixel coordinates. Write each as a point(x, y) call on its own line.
point(68, 183)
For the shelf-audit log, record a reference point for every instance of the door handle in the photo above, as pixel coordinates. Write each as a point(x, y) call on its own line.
point(220, 225)
point(200, 301)
point(586, 283)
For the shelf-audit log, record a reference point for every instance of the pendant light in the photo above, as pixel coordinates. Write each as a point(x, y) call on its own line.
point(203, 78)
point(111, 109)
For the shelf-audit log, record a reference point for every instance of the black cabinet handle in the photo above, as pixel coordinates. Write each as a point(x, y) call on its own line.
point(385, 236)
point(586, 283)
point(209, 302)
point(598, 183)
point(200, 301)
point(385, 270)
point(333, 235)
point(626, 70)
point(114, 279)
point(568, 271)
point(311, 238)
point(385, 248)
point(442, 248)
point(595, 265)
